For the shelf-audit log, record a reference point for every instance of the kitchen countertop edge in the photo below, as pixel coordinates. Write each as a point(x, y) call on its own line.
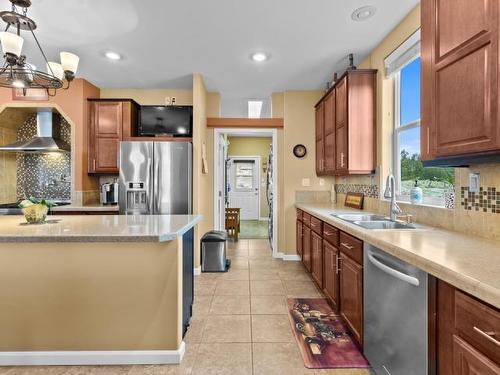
point(481, 289)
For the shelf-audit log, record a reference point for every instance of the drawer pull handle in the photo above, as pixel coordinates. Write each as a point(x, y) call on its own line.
point(328, 233)
point(347, 246)
point(488, 336)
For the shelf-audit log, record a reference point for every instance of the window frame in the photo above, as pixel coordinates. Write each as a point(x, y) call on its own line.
point(399, 128)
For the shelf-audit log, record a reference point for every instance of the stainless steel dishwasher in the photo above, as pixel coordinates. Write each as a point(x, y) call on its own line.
point(395, 314)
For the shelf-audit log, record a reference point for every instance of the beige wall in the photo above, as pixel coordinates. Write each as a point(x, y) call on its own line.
point(458, 219)
point(254, 146)
point(149, 97)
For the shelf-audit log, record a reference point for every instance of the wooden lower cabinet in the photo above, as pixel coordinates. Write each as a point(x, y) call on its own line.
point(331, 273)
point(306, 247)
point(299, 234)
point(469, 361)
point(317, 258)
point(467, 335)
point(351, 295)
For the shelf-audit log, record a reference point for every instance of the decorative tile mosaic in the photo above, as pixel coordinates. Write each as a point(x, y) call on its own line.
point(449, 199)
point(486, 200)
point(46, 175)
point(370, 191)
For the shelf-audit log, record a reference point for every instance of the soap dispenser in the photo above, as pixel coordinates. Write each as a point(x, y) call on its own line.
point(416, 194)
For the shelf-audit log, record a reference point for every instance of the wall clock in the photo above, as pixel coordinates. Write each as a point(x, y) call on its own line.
point(299, 151)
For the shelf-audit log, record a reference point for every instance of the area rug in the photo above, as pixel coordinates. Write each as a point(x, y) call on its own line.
point(323, 339)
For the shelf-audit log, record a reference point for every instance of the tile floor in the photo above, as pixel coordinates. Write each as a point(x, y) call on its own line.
point(240, 324)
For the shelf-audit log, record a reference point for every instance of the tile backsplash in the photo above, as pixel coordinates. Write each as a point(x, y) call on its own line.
point(371, 191)
point(486, 200)
point(45, 175)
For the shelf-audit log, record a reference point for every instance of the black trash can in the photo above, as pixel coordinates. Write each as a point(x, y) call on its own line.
point(213, 252)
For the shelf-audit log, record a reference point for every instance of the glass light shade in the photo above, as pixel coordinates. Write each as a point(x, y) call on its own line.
point(55, 69)
point(69, 61)
point(11, 43)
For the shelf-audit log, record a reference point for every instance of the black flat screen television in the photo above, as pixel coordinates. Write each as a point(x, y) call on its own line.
point(173, 120)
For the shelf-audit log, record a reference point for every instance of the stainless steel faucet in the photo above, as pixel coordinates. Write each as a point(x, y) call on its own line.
point(390, 193)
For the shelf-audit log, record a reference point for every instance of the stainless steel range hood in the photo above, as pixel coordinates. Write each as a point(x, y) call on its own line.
point(47, 139)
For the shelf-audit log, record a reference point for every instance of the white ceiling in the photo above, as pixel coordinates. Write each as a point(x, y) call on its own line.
point(164, 41)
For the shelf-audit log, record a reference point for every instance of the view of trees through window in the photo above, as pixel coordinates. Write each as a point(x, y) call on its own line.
point(435, 182)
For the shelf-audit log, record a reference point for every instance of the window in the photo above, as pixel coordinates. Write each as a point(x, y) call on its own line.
point(408, 169)
point(244, 175)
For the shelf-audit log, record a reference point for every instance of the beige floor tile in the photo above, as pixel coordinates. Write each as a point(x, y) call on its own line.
point(201, 305)
point(207, 277)
point(259, 244)
point(292, 266)
point(271, 328)
point(239, 263)
point(227, 328)
point(227, 305)
point(204, 289)
point(232, 288)
point(195, 330)
point(268, 305)
point(258, 274)
point(259, 253)
point(297, 275)
point(236, 252)
point(278, 359)
point(223, 359)
point(305, 289)
point(264, 263)
point(235, 274)
point(267, 288)
point(241, 244)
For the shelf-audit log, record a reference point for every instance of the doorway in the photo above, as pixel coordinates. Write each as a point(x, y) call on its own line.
point(246, 179)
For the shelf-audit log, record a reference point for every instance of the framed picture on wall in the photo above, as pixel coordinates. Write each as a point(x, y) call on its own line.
point(30, 95)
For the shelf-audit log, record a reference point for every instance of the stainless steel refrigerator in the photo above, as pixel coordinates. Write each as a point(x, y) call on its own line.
point(155, 178)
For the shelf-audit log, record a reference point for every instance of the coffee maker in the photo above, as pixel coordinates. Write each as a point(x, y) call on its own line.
point(109, 193)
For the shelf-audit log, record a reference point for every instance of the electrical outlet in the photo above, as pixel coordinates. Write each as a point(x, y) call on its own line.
point(321, 182)
point(173, 100)
point(474, 182)
point(306, 182)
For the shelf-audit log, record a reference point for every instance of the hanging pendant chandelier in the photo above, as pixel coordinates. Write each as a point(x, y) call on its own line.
point(16, 71)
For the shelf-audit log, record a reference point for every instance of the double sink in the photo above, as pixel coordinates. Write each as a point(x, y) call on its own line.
point(371, 221)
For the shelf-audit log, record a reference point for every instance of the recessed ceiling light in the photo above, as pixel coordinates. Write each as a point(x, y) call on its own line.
point(363, 13)
point(259, 57)
point(112, 55)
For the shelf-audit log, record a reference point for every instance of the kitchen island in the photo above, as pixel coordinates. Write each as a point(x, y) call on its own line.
point(95, 289)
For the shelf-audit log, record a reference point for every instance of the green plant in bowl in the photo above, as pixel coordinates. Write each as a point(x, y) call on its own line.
point(35, 210)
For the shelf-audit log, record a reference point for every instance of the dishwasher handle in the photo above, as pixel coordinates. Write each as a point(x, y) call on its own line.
point(391, 271)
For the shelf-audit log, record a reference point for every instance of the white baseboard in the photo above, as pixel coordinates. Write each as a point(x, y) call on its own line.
point(82, 358)
point(197, 271)
point(293, 258)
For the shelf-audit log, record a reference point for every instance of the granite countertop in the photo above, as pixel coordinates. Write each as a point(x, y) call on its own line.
point(467, 262)
point(91, 207)
point(97, 228)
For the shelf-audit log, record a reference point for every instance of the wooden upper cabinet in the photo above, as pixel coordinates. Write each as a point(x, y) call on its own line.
point(329, 134)
point(108, 119)
point(460, 64)
point(320, 121)
point(341, 103)
point(349, 129)
point(110, 122)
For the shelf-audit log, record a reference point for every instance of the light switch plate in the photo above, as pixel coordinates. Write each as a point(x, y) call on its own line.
point(306, 182)
point(321, 182)
point(474, 182)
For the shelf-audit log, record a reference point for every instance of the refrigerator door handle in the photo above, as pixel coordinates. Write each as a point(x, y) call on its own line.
point(156, 183)
point(150, 198)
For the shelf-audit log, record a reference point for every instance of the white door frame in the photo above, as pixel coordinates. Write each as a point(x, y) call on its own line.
point(273, 133)
point(258, 163)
